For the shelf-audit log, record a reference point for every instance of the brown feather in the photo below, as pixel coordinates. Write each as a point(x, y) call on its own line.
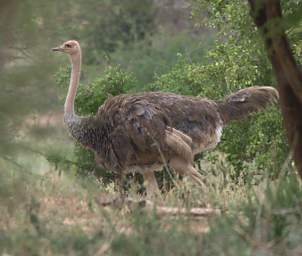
point(135, 131)
point(247, 101)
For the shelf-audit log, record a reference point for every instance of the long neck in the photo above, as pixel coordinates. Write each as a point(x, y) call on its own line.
point(73, 85)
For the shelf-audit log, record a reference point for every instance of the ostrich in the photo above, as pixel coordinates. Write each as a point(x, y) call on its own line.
point(145, 131)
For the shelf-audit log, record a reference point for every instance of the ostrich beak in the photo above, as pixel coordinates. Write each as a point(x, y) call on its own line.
point(57, 49)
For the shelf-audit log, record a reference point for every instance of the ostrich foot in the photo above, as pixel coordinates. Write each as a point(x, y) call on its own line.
point(152, 190)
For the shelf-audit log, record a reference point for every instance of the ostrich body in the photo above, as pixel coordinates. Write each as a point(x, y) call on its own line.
point(145, 131)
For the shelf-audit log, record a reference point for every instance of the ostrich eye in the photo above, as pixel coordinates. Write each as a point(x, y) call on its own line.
point(68, 45)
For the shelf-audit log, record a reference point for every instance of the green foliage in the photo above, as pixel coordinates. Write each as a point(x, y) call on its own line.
point(113, 81)
point(113, 24)
point(158, 54)
point(123, 24)
point(183, 78)
point(263, 143)
point(24, 76)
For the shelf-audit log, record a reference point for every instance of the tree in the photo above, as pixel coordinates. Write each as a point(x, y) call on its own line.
point(20, 56)
point(268, 18)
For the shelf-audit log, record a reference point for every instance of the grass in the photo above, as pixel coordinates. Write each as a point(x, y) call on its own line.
point(59, 214)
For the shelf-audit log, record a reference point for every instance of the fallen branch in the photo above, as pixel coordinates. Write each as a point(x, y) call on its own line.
point(192, 212)
point(160, 210)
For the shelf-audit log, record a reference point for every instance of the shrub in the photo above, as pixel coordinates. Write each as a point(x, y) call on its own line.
point(157, 55)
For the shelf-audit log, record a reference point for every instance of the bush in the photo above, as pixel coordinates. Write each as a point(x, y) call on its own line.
point(115, 24)
point(157, 55)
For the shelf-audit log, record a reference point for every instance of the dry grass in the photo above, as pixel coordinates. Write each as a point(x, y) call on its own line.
point(60, 214)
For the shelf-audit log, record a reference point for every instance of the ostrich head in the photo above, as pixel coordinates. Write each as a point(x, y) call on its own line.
point(73, 49)
point(70, 47)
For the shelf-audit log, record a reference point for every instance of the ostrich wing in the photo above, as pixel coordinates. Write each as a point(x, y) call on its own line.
point(139, 132)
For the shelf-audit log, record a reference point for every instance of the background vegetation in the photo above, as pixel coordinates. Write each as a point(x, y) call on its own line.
point(49, 187)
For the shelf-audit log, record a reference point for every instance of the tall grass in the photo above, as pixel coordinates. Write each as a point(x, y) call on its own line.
point(59, 215)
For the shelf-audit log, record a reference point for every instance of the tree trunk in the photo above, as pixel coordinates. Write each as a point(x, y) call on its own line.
point(268, 18)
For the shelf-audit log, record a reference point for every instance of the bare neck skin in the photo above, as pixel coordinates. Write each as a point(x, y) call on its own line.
point(75, 60)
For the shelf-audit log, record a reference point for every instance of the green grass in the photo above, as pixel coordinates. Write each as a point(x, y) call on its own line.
point(60, 215)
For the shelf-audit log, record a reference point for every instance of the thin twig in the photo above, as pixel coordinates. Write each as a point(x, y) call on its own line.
point(20, 167)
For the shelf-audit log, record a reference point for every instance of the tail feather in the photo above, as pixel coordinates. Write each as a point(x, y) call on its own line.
point(246, 101)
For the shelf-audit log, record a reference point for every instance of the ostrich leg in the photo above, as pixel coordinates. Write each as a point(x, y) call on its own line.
point(151, 186)
point(121, 183)
point(184, 168)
